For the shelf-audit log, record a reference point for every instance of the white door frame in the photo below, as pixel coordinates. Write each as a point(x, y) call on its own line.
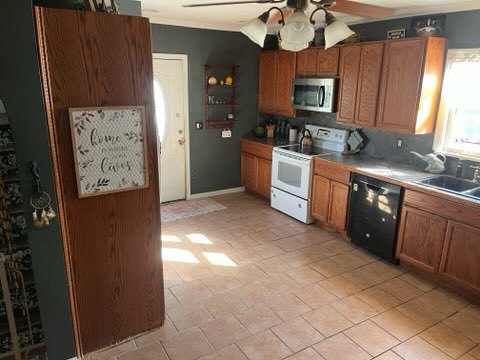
point(184, 59)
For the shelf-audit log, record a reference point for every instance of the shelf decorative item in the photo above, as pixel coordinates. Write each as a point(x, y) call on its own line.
point(220, 96)
point(109, 147)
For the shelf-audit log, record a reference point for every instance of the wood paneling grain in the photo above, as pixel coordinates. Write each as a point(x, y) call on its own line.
point(461, 256)
point(421, 238)
point(306, 62)
point(368, 84)
point(327, 61)
point(259, 150)
point(448, 209)
point(266, 83)
point(249, 171)
point(332, 171)
point(320, 198)
point(112, 242)
point(286, 63)
point(264, 177)
point(337, 214)
point(349, 70)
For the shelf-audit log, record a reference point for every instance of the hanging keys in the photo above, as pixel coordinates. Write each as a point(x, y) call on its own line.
point(40, 201)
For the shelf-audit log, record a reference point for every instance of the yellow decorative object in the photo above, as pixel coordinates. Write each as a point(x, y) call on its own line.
point(229, 80)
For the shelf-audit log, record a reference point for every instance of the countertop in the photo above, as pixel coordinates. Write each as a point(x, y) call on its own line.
point(400, 174)
point(396, 173)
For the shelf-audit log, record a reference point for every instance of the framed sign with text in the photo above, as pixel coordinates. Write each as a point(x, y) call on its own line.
point(109, 147)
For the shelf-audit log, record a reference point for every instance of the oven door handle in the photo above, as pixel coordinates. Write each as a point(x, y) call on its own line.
point(290, 159)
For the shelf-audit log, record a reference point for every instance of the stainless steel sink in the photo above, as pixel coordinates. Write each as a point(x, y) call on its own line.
point(453, 185)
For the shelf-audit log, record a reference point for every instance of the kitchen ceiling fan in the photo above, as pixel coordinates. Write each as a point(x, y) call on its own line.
point(341, 6)
point(297, 29)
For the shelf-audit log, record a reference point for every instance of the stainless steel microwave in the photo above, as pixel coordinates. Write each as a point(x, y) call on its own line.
point(315, 94)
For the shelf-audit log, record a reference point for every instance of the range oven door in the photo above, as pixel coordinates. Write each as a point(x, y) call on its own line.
point(292, 174)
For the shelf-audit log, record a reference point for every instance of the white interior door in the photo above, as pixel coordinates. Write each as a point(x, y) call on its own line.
point(170, 93)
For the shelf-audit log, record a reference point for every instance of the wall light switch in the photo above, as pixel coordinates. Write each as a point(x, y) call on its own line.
point(399, 143)
point(199, 125)
point(226, 133)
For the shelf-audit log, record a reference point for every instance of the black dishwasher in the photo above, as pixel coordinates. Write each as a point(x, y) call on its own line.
point(373, 215)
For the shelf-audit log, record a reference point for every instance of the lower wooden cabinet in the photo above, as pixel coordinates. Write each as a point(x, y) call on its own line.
point(264, 177)
point(256, 167)
point(421, 238)
point(320, 198)
point(330, 202)
point(446, 245)
point(461, 256)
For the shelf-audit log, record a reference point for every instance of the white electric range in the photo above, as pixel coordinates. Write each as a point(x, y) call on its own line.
point(292, 171)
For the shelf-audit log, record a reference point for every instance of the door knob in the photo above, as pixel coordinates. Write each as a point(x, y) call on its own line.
point(181, 141)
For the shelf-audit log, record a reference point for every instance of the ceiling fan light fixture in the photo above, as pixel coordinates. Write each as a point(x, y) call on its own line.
point(335, 31)
point(256, 30)
point(298, 30)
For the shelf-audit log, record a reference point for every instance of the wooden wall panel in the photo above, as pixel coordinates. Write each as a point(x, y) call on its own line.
point(112, 242)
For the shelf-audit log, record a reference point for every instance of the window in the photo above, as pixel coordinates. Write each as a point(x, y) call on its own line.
point(458, 127)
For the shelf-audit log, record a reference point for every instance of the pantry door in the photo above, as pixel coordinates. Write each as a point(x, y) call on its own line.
point(171, 114)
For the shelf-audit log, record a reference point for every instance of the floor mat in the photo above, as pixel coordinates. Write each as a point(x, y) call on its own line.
point(188, 208)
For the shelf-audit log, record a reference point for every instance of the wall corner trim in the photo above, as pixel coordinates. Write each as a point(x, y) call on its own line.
point(216, 193)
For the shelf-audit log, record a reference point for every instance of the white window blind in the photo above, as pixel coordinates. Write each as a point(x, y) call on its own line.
point(458, 126)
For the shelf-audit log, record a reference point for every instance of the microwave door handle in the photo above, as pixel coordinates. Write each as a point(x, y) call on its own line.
point(321, 96)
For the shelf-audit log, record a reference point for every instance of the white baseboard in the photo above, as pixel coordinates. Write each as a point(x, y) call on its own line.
point(216, 193)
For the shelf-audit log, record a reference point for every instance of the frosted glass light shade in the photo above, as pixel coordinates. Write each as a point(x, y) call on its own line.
point(256, 30)
point(294, 46)
point(335, 32)
point(298, 29)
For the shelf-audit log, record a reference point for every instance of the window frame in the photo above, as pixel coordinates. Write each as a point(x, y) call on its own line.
point(443, 111)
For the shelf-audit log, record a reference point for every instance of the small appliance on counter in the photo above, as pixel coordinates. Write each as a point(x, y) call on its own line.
point(292, 170)
point(315, 94)
point(373, 215)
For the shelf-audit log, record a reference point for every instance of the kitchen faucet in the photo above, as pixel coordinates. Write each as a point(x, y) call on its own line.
point(476, 175)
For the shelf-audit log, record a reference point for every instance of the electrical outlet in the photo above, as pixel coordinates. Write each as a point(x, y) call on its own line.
point(227, 133)
point(199, 125)
point(399, 143)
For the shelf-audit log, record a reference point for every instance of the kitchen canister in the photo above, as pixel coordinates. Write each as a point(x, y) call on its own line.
point(293, 134)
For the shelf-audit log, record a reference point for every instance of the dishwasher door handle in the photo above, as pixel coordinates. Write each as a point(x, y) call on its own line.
point(376, 189)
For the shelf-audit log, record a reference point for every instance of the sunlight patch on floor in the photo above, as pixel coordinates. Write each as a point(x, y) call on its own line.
point(199, 239)
point(170, 238)
point(219, 259)
point(179, 255)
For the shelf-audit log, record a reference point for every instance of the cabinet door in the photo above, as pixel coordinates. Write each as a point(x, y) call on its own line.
point(266, 82)
point(349, 67)
point(337, 214)
point(461, 256)
point(368, 84)
point(320, 198)
point(264, 176)
point(327, 61)
point(249, 171)
point(284, 83)
point(307, 62)
point(400, 85)
point(421, 238)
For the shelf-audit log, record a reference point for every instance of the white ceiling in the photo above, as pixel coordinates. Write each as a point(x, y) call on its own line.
point(231, 17)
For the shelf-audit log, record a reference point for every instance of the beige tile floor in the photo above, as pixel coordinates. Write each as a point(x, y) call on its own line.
point(251, 283)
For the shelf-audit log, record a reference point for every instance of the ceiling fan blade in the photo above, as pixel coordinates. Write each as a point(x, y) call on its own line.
point(362, 10)
point(233, 3)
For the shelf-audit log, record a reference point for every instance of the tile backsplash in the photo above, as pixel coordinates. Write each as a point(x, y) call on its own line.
point(383, 144)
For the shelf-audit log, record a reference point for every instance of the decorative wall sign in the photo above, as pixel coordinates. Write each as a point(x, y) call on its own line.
point(109, 146)
point(428, 26)
point(396, 34)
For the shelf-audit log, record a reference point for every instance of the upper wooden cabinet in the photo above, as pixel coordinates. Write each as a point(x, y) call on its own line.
point(410, 85)
point(318, 62)
point(276, 74)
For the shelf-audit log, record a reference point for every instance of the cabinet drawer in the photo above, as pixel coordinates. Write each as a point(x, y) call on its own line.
point(262, 151)
point(331, 171)
point(448, 209)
